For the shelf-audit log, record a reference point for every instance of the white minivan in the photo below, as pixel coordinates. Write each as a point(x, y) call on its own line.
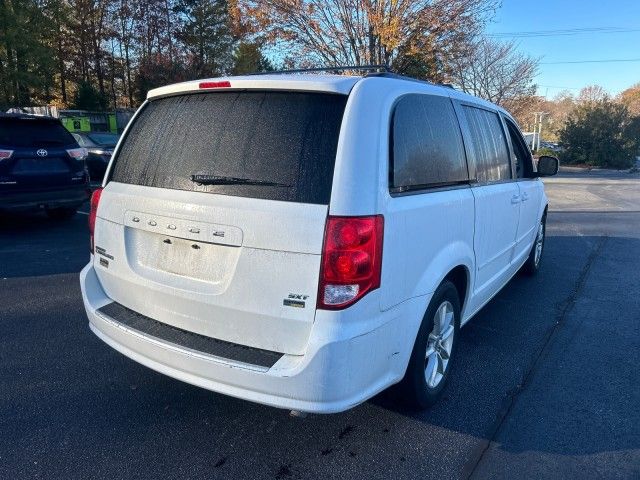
point(306, 241)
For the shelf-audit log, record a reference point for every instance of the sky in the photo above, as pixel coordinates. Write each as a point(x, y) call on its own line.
point(613, 39)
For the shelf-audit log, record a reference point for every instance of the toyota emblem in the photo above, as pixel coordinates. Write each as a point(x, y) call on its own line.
point(42, 152)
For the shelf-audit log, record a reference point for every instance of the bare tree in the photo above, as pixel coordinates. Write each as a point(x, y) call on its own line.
point(592, 93)
point(497, 72)
point(557, 111)
point(401, 33)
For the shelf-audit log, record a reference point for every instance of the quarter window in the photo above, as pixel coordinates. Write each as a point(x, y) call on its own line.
point(426, 144)
point(489, 145)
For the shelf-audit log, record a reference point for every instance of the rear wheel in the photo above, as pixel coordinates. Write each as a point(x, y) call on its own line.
point(434, 349)
point(532, 265)
point(60, 213)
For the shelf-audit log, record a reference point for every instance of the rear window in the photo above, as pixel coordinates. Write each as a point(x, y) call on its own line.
point(270, 145)
point(33, 133)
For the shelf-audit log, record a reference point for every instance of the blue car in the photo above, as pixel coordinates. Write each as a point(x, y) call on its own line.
point(42, 167)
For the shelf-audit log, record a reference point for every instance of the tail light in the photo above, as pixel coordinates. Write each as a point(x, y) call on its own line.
point(351, 260)
point(5, 154)
point(95, 199)
point(78, 153)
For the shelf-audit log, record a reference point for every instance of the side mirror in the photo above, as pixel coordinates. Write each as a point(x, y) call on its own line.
point(548, 166)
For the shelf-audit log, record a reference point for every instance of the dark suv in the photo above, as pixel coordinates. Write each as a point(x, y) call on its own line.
point(41, 166)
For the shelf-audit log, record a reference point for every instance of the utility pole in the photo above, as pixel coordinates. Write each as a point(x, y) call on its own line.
point(537, 129)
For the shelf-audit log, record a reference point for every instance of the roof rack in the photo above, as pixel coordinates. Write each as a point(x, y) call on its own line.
point(375, 71)
point(342, 68)
point(390, 74)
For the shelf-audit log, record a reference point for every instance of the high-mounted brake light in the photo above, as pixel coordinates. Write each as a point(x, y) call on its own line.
point(225, 84)
point(95, 200)
point(5, 154)
point(351, 260)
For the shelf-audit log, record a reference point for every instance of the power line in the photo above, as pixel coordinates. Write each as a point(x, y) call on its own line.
point(558, 86)
point(563, 32)
point(613, 60)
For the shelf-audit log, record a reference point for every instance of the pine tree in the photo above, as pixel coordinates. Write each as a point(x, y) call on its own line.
point(206, 36)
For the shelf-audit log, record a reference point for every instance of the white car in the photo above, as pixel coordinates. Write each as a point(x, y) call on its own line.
point(306, 241)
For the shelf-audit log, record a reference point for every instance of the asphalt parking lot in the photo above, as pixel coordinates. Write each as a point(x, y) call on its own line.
point(546, 384)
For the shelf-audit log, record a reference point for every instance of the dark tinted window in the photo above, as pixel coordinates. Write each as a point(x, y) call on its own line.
point(104, 139)
point(286, 141)
point(521, 152)
point(489, 145)
point(33, 133)
point(427, 148)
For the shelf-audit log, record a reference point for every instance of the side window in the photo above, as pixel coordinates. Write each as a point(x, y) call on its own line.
point(521, 152)
point(489, 145)
point(426, 144)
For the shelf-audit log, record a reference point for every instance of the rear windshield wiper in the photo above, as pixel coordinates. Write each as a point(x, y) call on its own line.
point(218, 180)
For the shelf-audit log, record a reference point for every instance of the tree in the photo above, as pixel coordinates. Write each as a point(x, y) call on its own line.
point(631, 99)
point(555, 115)
point(206, 35)
point(600, 133)
point(26, 59)
point(87, 97)
point(497, 72)
point(154, 71)
point(249, 59)
point(592, 94)
point(411, 35)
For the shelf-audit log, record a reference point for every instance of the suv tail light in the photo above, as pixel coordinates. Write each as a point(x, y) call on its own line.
point(351, 260)
point(95, 199)
point(78, 153)
point(5, 154)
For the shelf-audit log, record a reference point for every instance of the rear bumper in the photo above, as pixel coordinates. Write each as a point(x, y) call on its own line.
point(346, 362)
point(68, 197)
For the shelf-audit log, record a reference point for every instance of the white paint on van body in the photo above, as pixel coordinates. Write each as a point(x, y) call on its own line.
point(332, 360)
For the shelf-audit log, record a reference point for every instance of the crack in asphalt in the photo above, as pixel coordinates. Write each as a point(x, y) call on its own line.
point(510, 400)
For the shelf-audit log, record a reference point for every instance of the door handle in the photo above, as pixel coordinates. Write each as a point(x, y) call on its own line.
point(515, 199)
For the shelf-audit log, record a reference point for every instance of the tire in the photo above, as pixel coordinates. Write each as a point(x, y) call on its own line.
point(60, 213)
point(532, 265)
point(424, 382)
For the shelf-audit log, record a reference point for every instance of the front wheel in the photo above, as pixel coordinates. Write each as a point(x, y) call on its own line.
point(434, 349)
point(532, 265)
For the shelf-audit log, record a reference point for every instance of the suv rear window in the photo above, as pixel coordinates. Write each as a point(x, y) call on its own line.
point(33, 133)
point(283, 144)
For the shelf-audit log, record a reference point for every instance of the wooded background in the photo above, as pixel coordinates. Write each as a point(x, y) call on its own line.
point(105, 54)
point(98, 54)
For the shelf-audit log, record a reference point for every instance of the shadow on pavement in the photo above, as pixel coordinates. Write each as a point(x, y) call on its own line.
point(35, 245)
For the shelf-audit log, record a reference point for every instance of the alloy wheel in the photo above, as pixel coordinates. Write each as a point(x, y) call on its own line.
point(539, 244)
point(439, 345)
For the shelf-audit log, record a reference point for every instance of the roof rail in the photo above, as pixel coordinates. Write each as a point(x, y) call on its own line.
point(376, 71)
point(390, 74)
point(342, 68)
